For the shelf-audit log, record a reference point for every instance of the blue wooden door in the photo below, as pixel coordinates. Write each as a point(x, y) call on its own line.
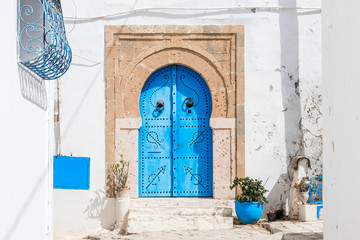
point(175, 140)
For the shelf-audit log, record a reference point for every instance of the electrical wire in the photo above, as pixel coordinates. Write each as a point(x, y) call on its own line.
point(94, 63)
point(75, 18)
point(204, 10)
point(142, 10)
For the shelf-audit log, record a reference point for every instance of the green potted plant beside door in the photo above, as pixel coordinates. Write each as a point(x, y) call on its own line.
point(249, 205)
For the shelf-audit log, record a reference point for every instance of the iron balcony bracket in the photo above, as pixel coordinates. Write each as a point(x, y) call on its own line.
point(43, 47)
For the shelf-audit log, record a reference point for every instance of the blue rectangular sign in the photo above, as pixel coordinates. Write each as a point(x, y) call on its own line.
point(71, 172)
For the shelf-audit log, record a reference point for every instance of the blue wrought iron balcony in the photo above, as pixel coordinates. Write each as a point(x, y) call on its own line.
point(43, 47)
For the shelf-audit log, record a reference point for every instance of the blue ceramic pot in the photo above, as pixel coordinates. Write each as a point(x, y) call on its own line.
point(248, 212)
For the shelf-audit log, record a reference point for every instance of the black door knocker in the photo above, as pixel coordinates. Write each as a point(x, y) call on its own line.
point(189, 102)
point(160, 106)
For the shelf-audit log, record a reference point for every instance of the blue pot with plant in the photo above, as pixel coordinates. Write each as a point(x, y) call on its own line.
point(249, 205)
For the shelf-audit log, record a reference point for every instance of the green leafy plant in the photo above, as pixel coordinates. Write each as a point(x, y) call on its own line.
point(252, 190)
point(120, 170)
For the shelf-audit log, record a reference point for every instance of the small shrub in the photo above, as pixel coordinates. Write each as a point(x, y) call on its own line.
point(252, 190)
point(120, 171)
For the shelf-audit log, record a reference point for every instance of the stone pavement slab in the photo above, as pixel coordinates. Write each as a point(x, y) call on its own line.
point(278, 230)
point(242, 232)
point(303, 236)
point(295, 230)
point(293, 226)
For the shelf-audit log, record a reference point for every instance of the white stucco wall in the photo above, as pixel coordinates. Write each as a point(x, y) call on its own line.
point(341, 49)
point(24, 142)
point(283, 90)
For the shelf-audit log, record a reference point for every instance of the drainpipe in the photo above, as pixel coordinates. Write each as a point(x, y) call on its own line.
point(57, 119)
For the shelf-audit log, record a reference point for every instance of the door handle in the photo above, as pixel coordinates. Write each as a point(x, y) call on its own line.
point(189, 102)
point(160, 106)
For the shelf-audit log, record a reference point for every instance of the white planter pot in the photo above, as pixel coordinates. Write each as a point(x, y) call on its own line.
point(304, 196)
point(122, 208)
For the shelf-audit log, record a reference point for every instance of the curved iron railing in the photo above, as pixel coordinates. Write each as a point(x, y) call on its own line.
point(43, 47)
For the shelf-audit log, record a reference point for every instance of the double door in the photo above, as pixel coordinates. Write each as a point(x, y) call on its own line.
point(175, 140)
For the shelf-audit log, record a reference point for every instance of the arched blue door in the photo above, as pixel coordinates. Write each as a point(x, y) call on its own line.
point(175, 140)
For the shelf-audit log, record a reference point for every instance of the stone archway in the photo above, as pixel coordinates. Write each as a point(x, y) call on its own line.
point(216, 53)
point(135, 77)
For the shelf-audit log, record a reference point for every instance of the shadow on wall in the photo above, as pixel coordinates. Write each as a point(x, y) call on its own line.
point(289, 37)
point(103, 208)
point(32, 87)
point(278, 195)
point(26, 204)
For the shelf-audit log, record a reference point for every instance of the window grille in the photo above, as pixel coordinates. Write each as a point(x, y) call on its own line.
point(43, 47)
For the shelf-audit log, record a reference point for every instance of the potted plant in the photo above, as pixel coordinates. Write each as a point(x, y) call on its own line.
point(271, 215)
point(303, 186)
point(120, 172)
point(249, 205)
point(279, 212)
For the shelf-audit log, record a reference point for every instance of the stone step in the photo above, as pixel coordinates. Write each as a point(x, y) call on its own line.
point(181, 211)
point(146, 223)
point(181, 202)
point(179, 214)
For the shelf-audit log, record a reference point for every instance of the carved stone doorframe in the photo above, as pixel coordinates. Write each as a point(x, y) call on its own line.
point(132, 53)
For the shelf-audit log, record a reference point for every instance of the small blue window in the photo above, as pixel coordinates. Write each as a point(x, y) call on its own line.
point(71, 172)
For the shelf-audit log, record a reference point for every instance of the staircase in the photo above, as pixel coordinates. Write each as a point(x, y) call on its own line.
point(179, 214)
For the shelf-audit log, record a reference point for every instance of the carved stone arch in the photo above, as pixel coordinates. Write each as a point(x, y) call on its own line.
point(203, 63)
point(133, 53)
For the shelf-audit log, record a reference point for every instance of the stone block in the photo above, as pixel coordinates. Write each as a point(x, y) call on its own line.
point(303, 236)
point(127, 49)
point(110, 89)
point(222, 57)
point(179, 214)
point(240, 119)
point(212, 29)
point(308, 212)
point(218, 46)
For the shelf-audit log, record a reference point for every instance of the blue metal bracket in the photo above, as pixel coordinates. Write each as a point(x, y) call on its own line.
point(43, 47)
point(318, 208)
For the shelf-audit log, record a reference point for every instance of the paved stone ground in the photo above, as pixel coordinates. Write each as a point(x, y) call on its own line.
point(295, 230)
point(247, 232)
point(279, 230)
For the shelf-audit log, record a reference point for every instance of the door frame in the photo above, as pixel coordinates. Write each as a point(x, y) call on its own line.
point(127, 72)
